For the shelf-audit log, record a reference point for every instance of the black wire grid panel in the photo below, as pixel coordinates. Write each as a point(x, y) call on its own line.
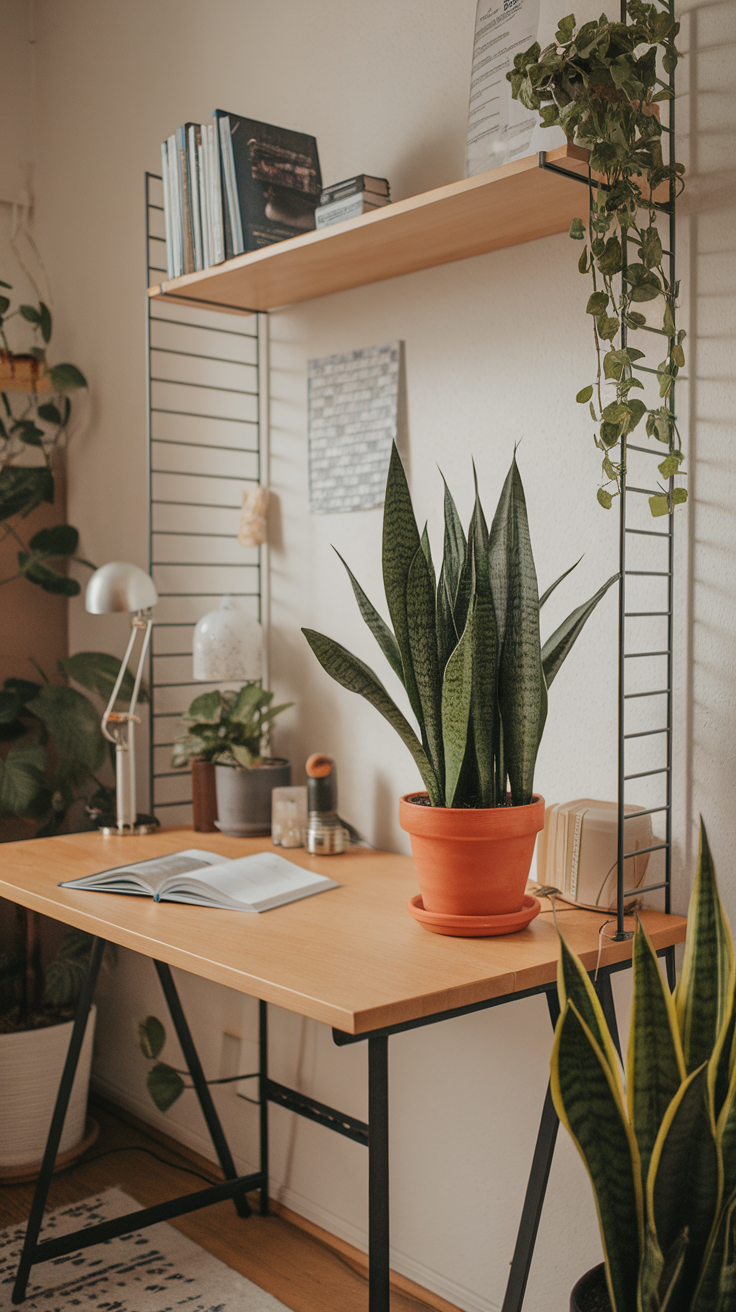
point(206, 446)
point(645, 618)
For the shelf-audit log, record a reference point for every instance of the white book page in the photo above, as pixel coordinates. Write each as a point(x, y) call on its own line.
point(147, 877)
point(250, 883)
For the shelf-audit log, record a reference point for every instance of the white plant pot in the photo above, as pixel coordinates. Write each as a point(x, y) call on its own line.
point(31, 1064)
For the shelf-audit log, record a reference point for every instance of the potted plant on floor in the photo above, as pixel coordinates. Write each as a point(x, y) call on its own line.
point(467, 649)
point(36, 1017)
point(226, 732)
point(662, 1155)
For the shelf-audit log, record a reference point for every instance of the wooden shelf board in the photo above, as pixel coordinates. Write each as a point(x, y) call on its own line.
point(515, 203)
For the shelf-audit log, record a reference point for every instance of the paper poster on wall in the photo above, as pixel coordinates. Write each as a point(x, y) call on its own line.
point(501, 129)
point(353, 411)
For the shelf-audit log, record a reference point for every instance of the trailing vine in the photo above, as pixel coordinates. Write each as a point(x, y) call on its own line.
point(600, 83)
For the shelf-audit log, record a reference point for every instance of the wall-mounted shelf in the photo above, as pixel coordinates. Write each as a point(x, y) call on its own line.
point(515, 203)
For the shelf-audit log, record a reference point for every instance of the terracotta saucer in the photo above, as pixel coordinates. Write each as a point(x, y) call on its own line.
point(474, 926)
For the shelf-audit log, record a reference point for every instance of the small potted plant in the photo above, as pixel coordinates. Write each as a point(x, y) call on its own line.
point(659, 1152)
point(467, 649)
point(36, 1017)
point(226, 732)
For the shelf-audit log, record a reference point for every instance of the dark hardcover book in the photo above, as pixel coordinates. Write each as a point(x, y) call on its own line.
point(271, 182)
point(353, 187)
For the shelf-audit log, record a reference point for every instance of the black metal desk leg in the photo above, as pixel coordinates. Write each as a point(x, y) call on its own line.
point(263, 1098)
point(378, 1229)
point(535, 1191)
point(200, 1084)
point(57, 1120)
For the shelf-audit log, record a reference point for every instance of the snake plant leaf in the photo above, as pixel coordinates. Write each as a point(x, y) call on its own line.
point(659, 1276)
point(498, 554)
point(453, 558)
point(484, 698)
point(559, 645)
point(378, 627)
point(546, 595)
point(705, 983)
point(655, 1066)
point(588, 1101)
point(427, 549)
point(400, 546)
point(420, 614)
point(716, 1291)
point(457, 687)
point(353, 674)
point(684, 1182)
point(522, 691)
point(574, 985)
point(720, 1066)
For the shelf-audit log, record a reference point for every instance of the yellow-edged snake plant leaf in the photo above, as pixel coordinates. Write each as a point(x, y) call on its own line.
point(356, 676)
point(573, 985)
point(587, 1098)
point(420, 617)
point(717, 1285)
point(378, 626)
point(655, 1067)
point(684, 1180)
point(705, 985)
point(400, 545)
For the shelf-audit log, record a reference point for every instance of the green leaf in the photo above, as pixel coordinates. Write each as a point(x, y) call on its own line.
point(249, 700)
point(45, 322)
point(717, 1285)
point(583, 261)
point(22, 489)
point(585, 394)
point(457, 687)
point(453, 565)
point(420, 615)
point(205, 709)
point(36, 570)
point(65, 975)
point(97, 671)
point(577, 230)
point(61, 540)
point(655, 1066)
point(669, 467)
point(427, 549)
point(683, 1186)
point(522, 691)
point(597, 303)
point(30, 313)
point(49, 413)
point(165, 1085)
point(588, 1101)
point(574, 985)
point(703, 989)
point(558, 646)
point(66, 377)
point(679, 496)
point(151, 1037)
point(353, 674)
point(611, 259)
point(73, 723)
point(400, 546)
point(484, 713)
point(659, 505)
point(604, 498)
point(22, 776)
point(546, 595)
point(378, 627)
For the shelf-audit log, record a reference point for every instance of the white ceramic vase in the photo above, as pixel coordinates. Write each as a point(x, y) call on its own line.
point(31, 1064)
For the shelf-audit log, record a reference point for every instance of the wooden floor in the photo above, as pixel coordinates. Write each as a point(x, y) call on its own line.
point(305, 1271)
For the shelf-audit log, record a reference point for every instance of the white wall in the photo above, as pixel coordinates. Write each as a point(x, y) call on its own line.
point(496, 348)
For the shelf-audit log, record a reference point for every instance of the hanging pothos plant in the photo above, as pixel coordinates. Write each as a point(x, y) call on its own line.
point(601, 84)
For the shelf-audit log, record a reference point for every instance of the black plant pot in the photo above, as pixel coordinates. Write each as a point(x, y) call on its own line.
point(591, 1292)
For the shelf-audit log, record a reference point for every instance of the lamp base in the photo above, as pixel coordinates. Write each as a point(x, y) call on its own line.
point(144, 824)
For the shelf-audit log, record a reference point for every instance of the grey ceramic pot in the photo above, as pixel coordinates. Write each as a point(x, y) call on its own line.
point(244, 796)
point(591, 1292)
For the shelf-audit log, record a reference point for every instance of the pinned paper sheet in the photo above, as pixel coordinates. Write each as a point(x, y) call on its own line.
point(252, 528)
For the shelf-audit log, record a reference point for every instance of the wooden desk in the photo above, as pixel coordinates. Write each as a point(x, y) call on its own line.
point(352, 958)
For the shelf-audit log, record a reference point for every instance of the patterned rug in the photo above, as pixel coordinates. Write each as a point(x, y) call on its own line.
point(152, 1270)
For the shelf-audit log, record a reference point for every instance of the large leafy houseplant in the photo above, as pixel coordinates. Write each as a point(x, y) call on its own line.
point(602, 84)
point(661, 1151)
point(34, 422)
point(227, 727)
point(466, 646)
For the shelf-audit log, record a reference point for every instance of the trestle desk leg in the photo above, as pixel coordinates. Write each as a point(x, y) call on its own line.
point(57, 1121)
point(535, 1191)
point(671, 964)
point(200, 1084)
point(263, 1099)
point(378, 1221)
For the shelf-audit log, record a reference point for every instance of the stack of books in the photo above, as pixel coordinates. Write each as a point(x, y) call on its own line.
point(354, 196)
point(235, 185)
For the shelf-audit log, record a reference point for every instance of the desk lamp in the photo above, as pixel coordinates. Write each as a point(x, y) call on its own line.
point(118, 586)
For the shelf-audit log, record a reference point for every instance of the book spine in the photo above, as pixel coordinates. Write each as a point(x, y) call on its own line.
point(377, 187)
point(231, 189)
point(175, 199)
point(575, 859)
point(339, 210)
point(215, 195)
point(167, 210)
point(186, 201)
point(204, 191)
point(193, 166)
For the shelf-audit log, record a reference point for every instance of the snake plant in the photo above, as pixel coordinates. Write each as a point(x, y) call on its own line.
point(466, 646)
point(661, 1154)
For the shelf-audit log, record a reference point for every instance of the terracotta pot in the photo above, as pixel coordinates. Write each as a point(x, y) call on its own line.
point(472, 862)
point(591, 1292)
point(204, 797)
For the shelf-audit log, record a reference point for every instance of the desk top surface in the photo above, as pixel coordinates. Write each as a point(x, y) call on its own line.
point(352, 958)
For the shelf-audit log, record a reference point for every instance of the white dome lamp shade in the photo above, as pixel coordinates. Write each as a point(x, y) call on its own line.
point(228, 646)
point(120, 587)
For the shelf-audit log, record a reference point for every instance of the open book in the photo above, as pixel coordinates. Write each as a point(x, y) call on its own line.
point(250, 883)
